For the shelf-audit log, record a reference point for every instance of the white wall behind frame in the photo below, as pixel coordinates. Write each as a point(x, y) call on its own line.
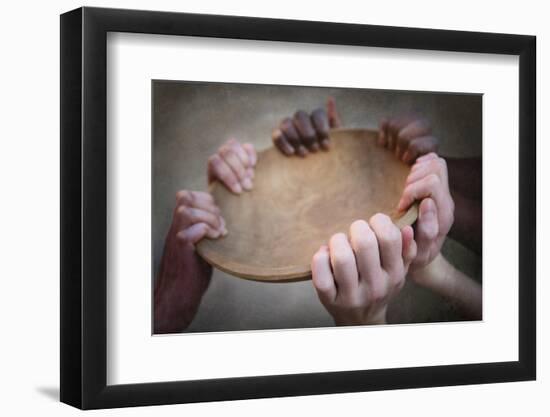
point(30, 306)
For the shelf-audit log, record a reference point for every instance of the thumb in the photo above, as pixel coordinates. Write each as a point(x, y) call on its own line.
point(333, 116)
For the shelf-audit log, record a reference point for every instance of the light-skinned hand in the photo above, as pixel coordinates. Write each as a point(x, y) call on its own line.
point(233, 165)
point(356, 277)
point(428, 183)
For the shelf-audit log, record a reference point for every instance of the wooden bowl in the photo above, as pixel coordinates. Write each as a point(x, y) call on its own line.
point(297, 204)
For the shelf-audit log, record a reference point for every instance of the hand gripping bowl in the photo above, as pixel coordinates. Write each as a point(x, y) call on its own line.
point(297, 204)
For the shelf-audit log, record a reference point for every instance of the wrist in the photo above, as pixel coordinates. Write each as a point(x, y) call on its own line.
point(432, 275)
point(371, 318)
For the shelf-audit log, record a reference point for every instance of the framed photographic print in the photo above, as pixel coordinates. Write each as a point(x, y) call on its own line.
point(257, 208)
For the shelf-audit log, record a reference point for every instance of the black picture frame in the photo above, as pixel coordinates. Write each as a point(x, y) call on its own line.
point(84, 207)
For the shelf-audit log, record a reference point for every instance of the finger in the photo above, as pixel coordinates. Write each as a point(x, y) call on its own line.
point(239, 151)
point(427, 229)
point(281, 142)
point(190, 215)
point(197, 199)
point(292, 136)
point(220, 170)
point(431, 155)
point(246, 162)
point(252, 155)
point(383, 132)
point(319, 119)
point(417, 128)
point(409, 245)
point(230, 157)
point(343, 265)
point(435, 166)
point(428, 186)
point(365, 247)
point(421, 170)
point(394, 126)
point(195, 233)
point(302, 123)
point(334, 119)
point(418, 147)
point(389, 242)
point(321, 275)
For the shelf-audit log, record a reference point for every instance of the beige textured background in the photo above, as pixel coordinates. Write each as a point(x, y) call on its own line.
point(191, 120)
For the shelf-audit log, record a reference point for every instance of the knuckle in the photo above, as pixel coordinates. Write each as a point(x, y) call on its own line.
point(276, 135)
point(319, 257)
point(434, 165)
point(321, 286)
point(390, 236)
point(365, 243)
point(432, 180)
point(387, 232)
point(377, 295)
point(286, 123)
point(379, 219)
point(183, 211)
point(408, 191)
point(342, 258)
point(337, 239)
point(206, 196)
point(183, 197)
point(225, 150)
point(214, 160)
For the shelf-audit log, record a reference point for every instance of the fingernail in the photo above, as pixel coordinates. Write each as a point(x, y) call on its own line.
point(224, 232)
point(325, 143)
point(302, 151)
point(314, 147)
point(247, 184)
point(237, 188)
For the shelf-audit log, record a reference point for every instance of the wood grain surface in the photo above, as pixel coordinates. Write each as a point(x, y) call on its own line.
point(297, 204)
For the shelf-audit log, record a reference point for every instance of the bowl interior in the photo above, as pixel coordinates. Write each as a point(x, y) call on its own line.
point(298, 203)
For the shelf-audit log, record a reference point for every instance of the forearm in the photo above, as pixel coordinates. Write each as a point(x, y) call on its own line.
point(444, 279)
point(181, 282)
